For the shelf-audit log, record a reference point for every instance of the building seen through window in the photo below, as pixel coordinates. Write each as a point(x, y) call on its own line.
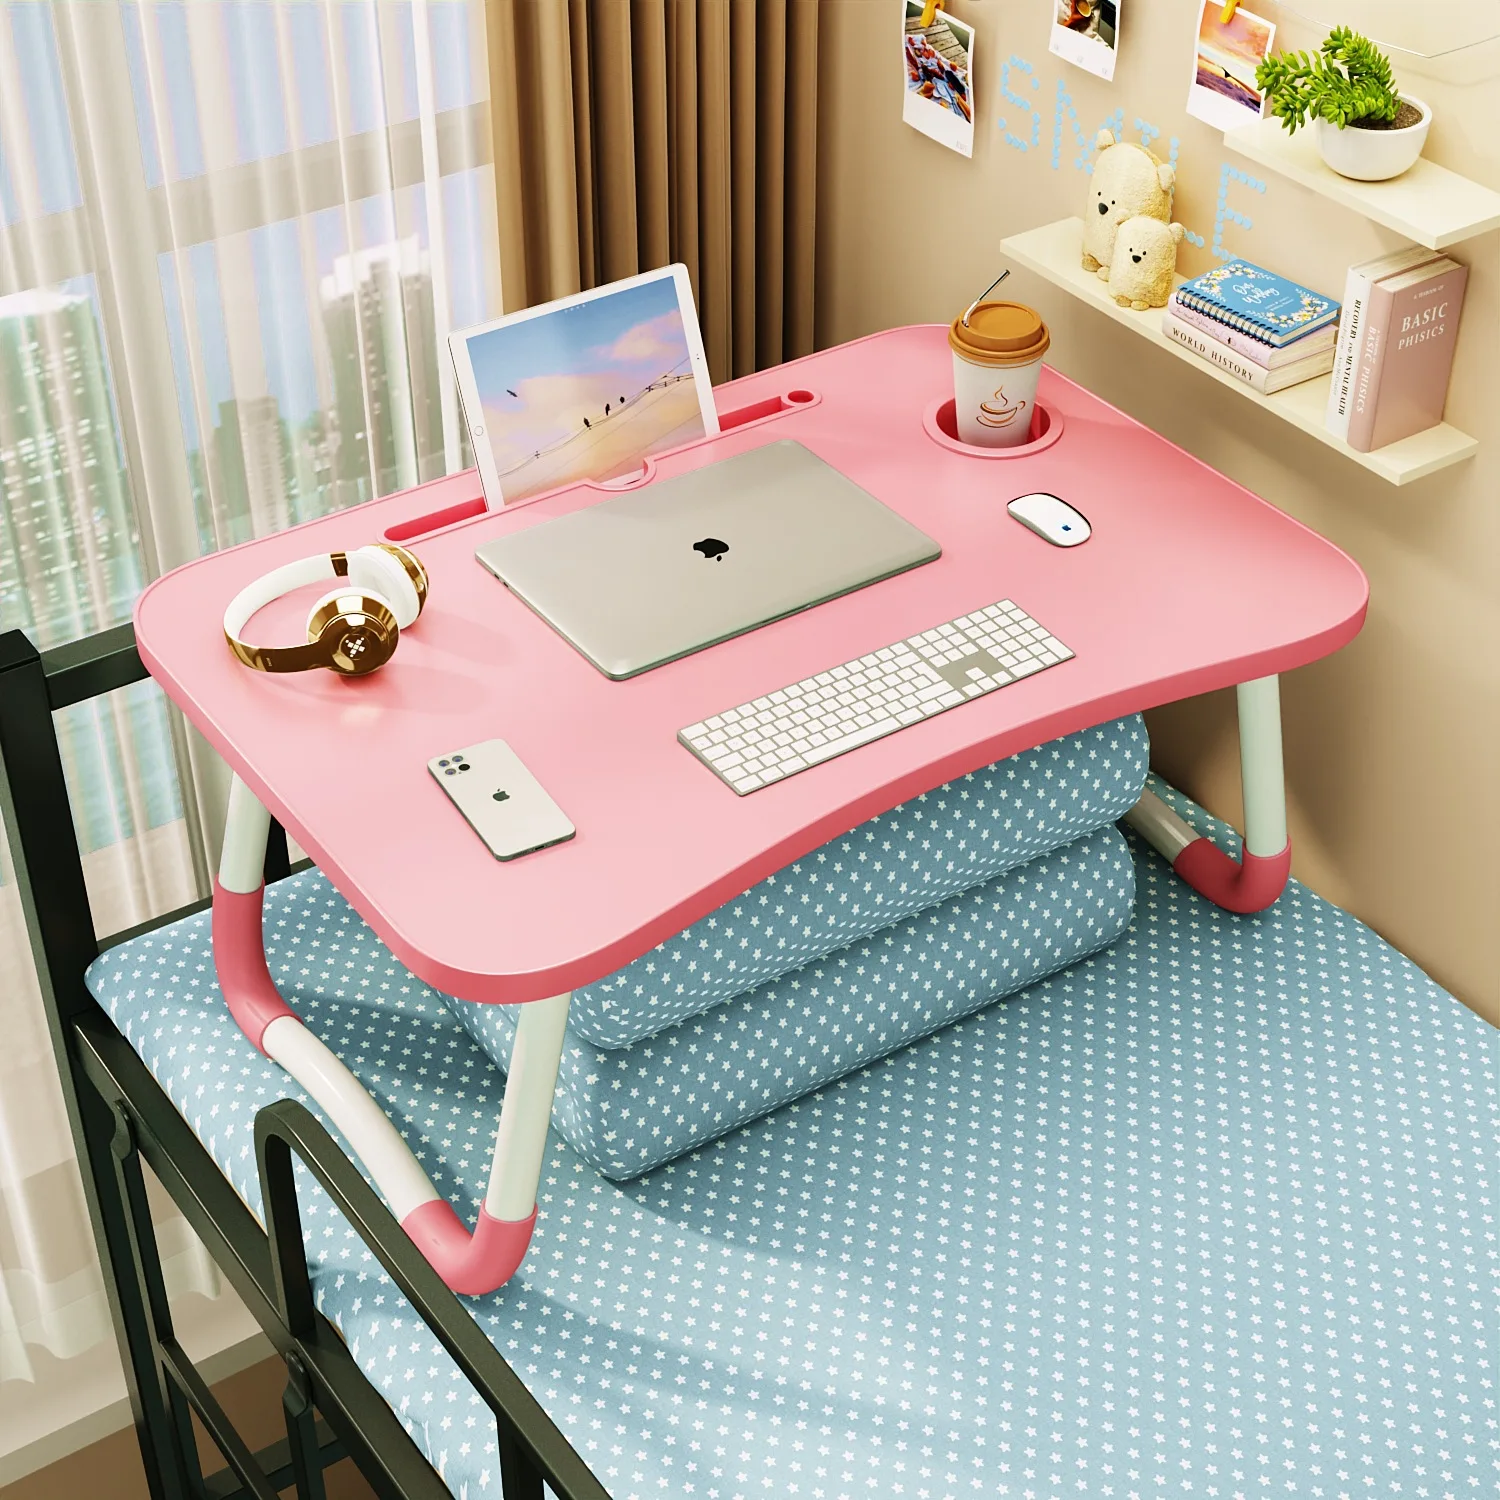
point(70, 562)
point(283, 340)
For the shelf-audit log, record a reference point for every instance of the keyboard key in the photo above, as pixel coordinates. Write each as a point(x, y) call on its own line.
point(873, 731)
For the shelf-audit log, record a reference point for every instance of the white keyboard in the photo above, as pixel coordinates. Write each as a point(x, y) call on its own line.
point(803, 725)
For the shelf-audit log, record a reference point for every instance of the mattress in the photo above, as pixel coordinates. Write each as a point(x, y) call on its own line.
point(1208, 1213)
point(947, 840)
point(629, 1109)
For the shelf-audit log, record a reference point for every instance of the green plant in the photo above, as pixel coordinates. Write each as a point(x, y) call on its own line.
point(1347, 81)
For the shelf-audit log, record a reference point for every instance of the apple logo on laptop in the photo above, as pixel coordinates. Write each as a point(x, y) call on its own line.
point(712, 547)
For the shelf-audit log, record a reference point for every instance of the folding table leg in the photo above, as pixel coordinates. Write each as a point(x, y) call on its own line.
point(1266, 860)
point(471, 1263)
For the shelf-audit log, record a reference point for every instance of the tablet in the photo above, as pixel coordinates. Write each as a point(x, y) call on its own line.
point(585, 387)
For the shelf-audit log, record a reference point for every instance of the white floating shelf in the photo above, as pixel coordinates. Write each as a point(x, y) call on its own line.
point(1054, 251)
point(1427, 203)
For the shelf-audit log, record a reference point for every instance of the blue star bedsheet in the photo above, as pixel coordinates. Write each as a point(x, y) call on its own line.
point(1210, 1214)
point(628, 1109)
point(953, 838)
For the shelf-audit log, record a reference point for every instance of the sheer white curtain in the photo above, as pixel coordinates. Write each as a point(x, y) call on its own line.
point(233, 236)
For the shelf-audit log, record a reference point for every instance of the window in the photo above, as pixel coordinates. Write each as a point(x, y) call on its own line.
point(233, 237)
point(313, 179)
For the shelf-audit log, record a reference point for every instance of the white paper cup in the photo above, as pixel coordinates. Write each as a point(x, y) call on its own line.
point(997, 362)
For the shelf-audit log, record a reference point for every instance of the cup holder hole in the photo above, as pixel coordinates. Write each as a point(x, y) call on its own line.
point(941, 423)
point(800, 398)
point(947, 421)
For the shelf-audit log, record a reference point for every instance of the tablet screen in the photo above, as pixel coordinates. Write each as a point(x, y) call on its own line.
point(585, 388)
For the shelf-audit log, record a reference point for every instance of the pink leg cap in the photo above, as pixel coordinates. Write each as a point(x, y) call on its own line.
point(1243, 888)
point(476, 1264)
point(240, 959)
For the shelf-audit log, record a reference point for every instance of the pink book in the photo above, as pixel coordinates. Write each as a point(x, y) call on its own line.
point(1411, 327)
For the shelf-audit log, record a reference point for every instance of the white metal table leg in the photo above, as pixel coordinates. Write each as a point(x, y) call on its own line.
point(1259, 878)
point(472, 1263)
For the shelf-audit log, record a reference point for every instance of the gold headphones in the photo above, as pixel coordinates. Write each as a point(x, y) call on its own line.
point(354, 628)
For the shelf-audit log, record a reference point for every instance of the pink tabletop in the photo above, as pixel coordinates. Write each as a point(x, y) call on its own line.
point(1188, 583)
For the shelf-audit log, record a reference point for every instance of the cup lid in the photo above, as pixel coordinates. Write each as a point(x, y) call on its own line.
point(1000, 333)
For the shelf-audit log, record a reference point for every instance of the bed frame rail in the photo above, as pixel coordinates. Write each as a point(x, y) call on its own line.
point(121, 1119)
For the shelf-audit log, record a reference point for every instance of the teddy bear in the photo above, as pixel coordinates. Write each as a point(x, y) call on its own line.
point(1140, 275)
point(1128, 180)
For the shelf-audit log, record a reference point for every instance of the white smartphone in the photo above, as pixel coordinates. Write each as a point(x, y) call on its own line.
point(501, 800)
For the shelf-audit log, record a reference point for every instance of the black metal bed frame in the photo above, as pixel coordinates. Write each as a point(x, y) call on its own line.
point(120, 1117)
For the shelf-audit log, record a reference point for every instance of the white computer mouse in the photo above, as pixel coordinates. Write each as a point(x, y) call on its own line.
point(1052, 519)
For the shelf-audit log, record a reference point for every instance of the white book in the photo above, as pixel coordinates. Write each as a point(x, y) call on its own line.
point(1351, 328)
point(1256, 376)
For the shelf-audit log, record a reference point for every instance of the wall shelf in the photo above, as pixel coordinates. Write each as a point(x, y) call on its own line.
point(1420, 31)
point(1427, 203)
point(1054, 252)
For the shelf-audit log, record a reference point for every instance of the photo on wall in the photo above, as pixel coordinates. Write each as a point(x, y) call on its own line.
point(1087, 33)
point(938, 59)
point(1225, 56)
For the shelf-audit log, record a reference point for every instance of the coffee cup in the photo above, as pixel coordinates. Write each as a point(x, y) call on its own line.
point(997, 361)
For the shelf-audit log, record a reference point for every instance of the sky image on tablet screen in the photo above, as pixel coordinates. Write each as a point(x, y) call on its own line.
point(588, 391)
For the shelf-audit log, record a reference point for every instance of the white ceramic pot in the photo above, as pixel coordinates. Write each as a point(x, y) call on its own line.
point(1373, 155)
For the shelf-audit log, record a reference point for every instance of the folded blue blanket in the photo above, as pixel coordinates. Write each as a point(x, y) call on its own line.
point(626, 1110)
point(957, 836)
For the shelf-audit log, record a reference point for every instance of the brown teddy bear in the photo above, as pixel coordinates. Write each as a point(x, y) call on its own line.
point(1140, 275)
point(1128, 181)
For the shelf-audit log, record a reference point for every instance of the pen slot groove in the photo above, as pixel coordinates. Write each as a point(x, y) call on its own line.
point(424, 525)
point(771, 406)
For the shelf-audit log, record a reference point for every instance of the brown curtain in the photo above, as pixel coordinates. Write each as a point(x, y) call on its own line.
point(633, 133)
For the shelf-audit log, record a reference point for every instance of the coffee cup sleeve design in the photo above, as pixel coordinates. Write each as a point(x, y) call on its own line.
point(997, 411)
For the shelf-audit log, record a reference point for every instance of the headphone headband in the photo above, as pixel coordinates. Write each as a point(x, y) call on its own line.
point(411, 565)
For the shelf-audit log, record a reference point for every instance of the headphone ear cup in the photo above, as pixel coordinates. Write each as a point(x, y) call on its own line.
point(359, 629)
point(379, 570)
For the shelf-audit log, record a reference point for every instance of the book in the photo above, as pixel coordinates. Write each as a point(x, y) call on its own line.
point(1256, 376)
point(1245, 297)
point(1269, 355)
point(1351, 326)
point(1406, 353)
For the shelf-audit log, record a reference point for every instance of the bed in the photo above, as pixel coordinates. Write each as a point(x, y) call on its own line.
point(1210, 1212)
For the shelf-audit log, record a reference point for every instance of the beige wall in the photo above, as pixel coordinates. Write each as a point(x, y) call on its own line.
point(1393, 745)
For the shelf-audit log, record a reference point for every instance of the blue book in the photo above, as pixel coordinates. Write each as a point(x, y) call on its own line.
point(1271, 308)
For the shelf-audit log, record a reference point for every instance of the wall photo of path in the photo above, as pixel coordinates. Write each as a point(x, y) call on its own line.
point(588, 391)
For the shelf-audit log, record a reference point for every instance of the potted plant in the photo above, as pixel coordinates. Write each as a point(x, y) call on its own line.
point(1365, 127)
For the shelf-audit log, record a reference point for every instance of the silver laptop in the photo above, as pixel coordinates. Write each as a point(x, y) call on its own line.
point(691, 561)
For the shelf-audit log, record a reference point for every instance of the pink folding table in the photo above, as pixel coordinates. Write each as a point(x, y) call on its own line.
point(1188, 583)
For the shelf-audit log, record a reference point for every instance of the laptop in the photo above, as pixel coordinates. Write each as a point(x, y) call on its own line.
point(657, 574)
